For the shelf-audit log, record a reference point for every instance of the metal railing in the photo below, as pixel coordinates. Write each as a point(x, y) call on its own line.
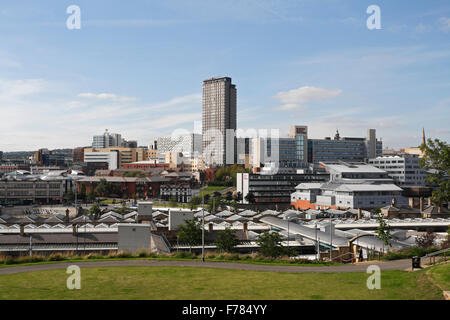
point(436, 253)
point(352, 258)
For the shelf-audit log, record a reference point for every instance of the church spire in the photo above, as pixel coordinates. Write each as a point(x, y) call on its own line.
point(423, 136)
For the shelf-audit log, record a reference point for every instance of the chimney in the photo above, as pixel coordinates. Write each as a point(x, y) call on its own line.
point(245, 226)
point(22, 230)
point(421, 204)
point(67, 215)
point(429, 201)
point(411, 202)
point(359, 214)
point(210, 227)
point(74, 229)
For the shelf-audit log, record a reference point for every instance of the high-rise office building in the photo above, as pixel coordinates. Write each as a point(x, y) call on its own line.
point(300, 134)
point(219, 121)
point(107, 140)
point(347, 149)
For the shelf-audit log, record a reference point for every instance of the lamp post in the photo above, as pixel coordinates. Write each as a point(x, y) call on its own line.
point(317, 243)
point(203, 230)
point(288, 220)
point(331, 237)
point(84, 235)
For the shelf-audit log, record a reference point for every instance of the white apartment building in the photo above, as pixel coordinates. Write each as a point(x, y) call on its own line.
point(351, 186)
point(109, 157)
point(190, 143)
point(404, 169)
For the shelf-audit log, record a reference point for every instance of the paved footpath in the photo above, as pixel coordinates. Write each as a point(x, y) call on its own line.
point(404, 264)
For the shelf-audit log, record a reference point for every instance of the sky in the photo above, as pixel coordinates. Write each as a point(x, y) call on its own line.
point(136, 68)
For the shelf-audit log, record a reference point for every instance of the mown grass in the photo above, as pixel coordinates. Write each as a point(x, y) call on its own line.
point(441, 275)
point(208, 283)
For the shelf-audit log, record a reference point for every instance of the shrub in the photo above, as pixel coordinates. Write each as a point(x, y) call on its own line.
point(124, 254)
point(408, 253)
point(144, 253)
point(93, 255)
point(56, 257)
point(184, 255)
point(210, 255)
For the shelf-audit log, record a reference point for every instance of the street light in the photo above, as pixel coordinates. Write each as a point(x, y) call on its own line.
point(331, 237)
point(317, 243)
point(203, 230)
point(288, 220)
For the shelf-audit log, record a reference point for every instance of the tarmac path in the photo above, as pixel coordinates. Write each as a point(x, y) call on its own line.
point(404, 264)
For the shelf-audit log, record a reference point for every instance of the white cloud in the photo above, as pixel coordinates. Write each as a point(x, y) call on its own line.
point(445, 23)
point(293, 99)
point(43, 114)
point(10, 89)
point(106, 96)
point(178, 101)
point(422, 28)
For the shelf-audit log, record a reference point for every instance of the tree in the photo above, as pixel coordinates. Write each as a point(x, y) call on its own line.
point(173, 201)
point(383, 231)
point(250, 197)
point(69, 196)
point(95, 211)
point(91, 195)
point(82, 194)
point(190, 233)
point(436, 160)
point(226, 240)
point(195, 201)
point(446, 243)
point(234, 205)
point(102, 188)
point(426, 240)
point(270, 244)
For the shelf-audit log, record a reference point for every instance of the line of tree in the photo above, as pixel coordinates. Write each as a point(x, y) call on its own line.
point(436, 160)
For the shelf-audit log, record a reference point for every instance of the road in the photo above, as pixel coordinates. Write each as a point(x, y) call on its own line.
point(404, 264)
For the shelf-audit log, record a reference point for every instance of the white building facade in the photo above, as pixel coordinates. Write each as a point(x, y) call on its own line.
point(404, 169)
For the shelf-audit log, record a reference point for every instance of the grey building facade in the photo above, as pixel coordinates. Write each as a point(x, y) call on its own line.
point(218, 121)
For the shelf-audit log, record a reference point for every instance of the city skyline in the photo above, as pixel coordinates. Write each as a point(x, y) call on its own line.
point(137, 69)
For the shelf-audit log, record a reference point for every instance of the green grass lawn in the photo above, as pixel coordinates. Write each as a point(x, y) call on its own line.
point(441, 275)
point(208, 283)
point(210, 190)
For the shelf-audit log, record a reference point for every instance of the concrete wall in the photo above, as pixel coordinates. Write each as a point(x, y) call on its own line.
point(145, 208)
point(134, 237)
point(177, 218)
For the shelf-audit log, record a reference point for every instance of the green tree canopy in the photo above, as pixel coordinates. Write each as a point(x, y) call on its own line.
point(226, 240)
point(270, 244)
point(250, 197)
point(190, 233)
point(383, 231)
point(95, 210)
point(102, 188)
point(436, 160)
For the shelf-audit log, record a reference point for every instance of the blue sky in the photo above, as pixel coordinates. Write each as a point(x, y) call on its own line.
point(137, 68)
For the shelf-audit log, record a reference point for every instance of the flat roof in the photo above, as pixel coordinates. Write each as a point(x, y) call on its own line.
point(353, 167)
